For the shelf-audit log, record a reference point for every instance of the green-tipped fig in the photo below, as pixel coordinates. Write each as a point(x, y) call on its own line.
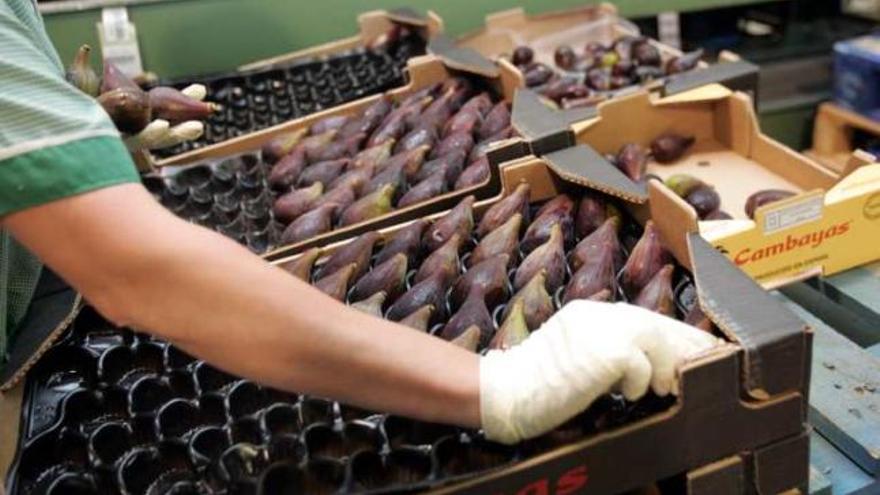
point(705, 200)
point(286, 170)
point(657, 294)
point(473, 175)
point(340, 197)
point(443, 260)
point(371, 305)
point(603, 238)
point(309, 224)
point(489, 278)
point(331, 123)
point(670, 147)
point(410, 161)
point(684, 62)
point(645, 260)
point(388, 277)
point(431, 187)
point(324, 172)
point(698, 319)
point(682, 184)
point(301, 266)
point(765, 197)
point(128, 108)
point(595, 275)
point(501, 212)
point(632, 160)
point(294, 203)
point(313, 145)
point(548, 257)
point(373, 157)
point(357, 253)
point(281, 146)
point(355, 178)
point(537, 303)
point(391, 174)
point(407, 240)
point(175, 107)
point(513, 331)
point(473, 312)
point(370, 206)
point(558, 211)
point(459, 220)
point(419, 318)
point(496, 120)
point(501, 241)
point(82, 75)
point(335, 284)
point(431, 291)
point(113, 78)
point(469, 339)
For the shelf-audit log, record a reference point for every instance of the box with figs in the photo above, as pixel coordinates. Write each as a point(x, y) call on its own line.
point(314, 80)
point(346, 169)
point(581, 56)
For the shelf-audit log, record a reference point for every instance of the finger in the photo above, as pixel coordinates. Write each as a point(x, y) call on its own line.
point(150, 134)
point(636, 376)
point(195, 91)
point(187, 131)
point(664, 357)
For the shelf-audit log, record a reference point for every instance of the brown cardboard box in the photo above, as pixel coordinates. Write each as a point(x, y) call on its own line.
point(832, 135)
point(748, 396)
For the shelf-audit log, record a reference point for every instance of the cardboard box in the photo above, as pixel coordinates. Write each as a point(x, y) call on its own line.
point(833, 136)
point(821, 230)
point(507, 29)
point(755, 386)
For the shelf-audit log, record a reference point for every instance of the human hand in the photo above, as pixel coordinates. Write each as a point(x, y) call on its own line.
point(159, 133)
point(585, 350)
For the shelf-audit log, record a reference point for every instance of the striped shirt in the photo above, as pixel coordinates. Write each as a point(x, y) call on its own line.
point(55, 142)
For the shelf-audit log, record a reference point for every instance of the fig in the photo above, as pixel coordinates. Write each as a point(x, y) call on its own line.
point(114, 78)
point(483, 146)
point(387, 277)
point(420, 136)
point(409, 161)
point(301, 266)
point(765, 197)
point(175, 107)
point(537, 74)
point(460, 141)
point(564, 57)
point(599, 79)
point(603, 295)
point(324, 172)
point(374, 157)
point(482, 103)
point(632, 160)
point(459, 220)
point(335, 285)
point(407, 240)
point(565, 87)
point(469, 339)
point(557, 211)
point(605, 237)
point(391, 174)
point(475, 174)
point(309, 224)
point(684, 63)
point(645, 260)
point(357, 253)
point(464, 121)
point(704, 199)
point(513, 331)
point(657, 294)
point(718, 215)
point(592, 212)
point(339, 148)
point(473, 312)
point(496, 121)
point(355, 178)
point(371, 305)
point(433, 186)
point(286, 171)
point(522, 55)
point(489, 278)
point(502, 211)
point(369, 119)
point(502, 240)
point(280, 146)
point(128, 108)
point(696, 318)
point(670, 147)
point(646, 54)
point(294, 203)
point(624, 68)
point(444, 261)
point(450, 163)
point(548, 257)
point(340, 197)
point(623, 46)
point(419, 318)
point(431, 291)
point(594, 275)
point(682, 184)
point(537, 303)
point(313, 145)
point(372, 205)
point(331, 123)
point(81, 74)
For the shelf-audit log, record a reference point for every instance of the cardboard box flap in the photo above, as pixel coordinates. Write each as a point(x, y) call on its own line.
point(535, 120)
point(463, 59)
point(771, 336)
point(582, 165)
point(408, 16)
point(738, 75)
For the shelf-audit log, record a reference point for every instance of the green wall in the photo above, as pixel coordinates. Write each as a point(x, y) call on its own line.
point(199, 36)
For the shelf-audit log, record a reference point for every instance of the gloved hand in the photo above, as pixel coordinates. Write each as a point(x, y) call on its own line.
point(585, 350)
point(160, 133)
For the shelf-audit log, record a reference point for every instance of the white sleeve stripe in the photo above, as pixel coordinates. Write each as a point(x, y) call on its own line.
point(48, 142)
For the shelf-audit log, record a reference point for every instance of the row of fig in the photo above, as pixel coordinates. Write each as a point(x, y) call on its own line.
point(348, 169)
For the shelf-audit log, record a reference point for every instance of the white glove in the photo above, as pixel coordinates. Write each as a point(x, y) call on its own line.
point(160, 134)
point(585, 350)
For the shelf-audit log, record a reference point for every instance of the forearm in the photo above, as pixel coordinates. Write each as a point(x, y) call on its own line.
point(223, 304)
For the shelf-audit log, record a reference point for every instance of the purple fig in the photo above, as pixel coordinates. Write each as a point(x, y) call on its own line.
point(113, 78)
point(355, 178)
point(632, 160)
point(537, 74)
point(705, 200)
point(496, 121)
point(407, 240)
point(331, 123)
point(312, 145)
point(645, 260)
point(391, 174)
point(502, 240)
point(460, 141)
point(513, 331)
point(483, 146)
point(522, 55)
point(324, 172)
point(388, 277)
point(670, 147)
point(605, 237)
point(369, 119)
point(537, 303)
point(603, 295)
point(592, 213)
point(340, 197)
point(595, 274)
point(409, 161)
point(459, 220)
point(335, 285)
point(281, 146)
point(599, 79)
point(451, 164)
point(718, 215)
point(309, 224)
point(557, 211)
point(294, 203)
point(548, 257)
point(342, 147)
point(371, 305)
point(128, 108)
point(482, 103)
point(370, 206)
point(444, 260)
point(645, 53)
point(356, 252)
point(684, 63)
point(500, 212)
point(175, 107)
point(301, 266)
point(475, 174)
point(463, 122)
point(433, 186)
point(564, 57)
point(286, 171)
point(473, 312)
point(489, 278)
point(765, 197)
point(419, 318)
point(657, 294)
point(469, 339)
point(420, 136)
point(698, 319)
point(565, 88)
point(431, 291)
point(374, 157)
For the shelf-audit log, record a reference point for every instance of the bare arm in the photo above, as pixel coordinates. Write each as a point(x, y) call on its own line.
point(143, 267)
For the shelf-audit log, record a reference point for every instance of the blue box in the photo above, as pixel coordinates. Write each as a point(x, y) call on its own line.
point(857, 75)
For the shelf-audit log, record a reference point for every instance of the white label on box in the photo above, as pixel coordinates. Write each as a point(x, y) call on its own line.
point(793, 215)
point(668, 29)
point(118, 38)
